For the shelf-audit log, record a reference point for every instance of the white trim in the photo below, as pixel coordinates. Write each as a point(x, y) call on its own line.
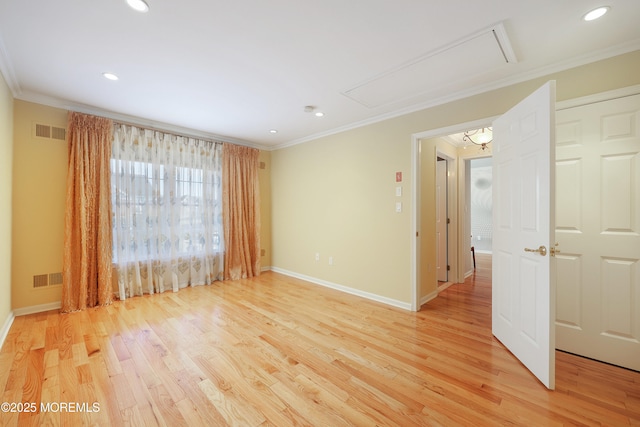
point(415, 140)
point(415, 216)
point(456, 96)
point(460, 127)
point(37, 308)
point(598, 97)
point(267, 268)
point(457, 128)
point(425, 299)
point(5, 328)
point(345, 289)
point(133, 120)
point(6, 69)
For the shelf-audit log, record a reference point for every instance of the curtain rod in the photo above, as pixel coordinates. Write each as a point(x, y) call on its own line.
point(127, 120)
point(166, 131)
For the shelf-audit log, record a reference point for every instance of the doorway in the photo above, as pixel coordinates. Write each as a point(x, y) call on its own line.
point(480, 204)
point(442, 223)
point(428, 148)
point(598, 231)
point(567, 305)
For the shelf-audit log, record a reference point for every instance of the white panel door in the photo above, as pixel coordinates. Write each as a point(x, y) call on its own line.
point(598, 230)
point(441, 221)
point(523, 293)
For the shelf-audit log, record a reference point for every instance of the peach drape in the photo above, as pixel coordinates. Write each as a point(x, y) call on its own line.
point(87, 266)
point(240, 211)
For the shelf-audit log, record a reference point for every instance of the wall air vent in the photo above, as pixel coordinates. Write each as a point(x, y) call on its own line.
point(40, 281)
point(58, 133)
point(55, 279)
point(43, 131)
point(44, 280)
point(49, 132)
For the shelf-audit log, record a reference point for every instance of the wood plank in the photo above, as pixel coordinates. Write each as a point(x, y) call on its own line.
point(278, 351)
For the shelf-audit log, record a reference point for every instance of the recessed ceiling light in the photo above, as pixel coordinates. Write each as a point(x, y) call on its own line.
point(138, 5)
point(110, 76)
point(312, 109)
point(273, 131)
point(596, 13)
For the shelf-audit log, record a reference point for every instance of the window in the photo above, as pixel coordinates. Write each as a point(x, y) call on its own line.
point(167, 210)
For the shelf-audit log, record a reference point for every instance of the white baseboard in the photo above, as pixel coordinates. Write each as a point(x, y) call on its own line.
point(263, 269)
point(345, 289)
point(37, 308)
point(5, 328)
point(425, 299)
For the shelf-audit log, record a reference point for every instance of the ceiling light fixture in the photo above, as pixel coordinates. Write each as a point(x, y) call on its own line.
point(138, 5)
point(110, 76)
point(273, 131)
point(596, 13)
point(312, 109)
point(480, 137)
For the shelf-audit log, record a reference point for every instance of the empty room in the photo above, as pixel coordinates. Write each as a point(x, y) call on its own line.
point(266, 213)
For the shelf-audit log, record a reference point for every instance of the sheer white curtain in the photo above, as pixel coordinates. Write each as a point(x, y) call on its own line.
point(167, 207)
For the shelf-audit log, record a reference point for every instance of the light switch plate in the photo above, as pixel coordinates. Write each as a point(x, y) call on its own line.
point(399, 191)
point(398, 207)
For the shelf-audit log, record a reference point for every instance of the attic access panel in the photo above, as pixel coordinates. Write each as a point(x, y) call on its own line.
point(457, 62)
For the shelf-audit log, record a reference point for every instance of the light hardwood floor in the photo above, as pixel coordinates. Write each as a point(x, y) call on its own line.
point(276, 351)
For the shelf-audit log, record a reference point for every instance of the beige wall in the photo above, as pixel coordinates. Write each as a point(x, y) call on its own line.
point(426, 223)
point(335, 195)
point(39, 175)
point(39, 182)
point(6, 156)
point(264, 175)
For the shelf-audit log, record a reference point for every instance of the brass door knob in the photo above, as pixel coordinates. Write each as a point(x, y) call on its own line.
point(542, 250)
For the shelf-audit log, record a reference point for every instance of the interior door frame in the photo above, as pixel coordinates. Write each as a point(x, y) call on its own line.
point(464, 196)
point(461, 127)
point(457, 251)
point(450, 205)
point(442, 214)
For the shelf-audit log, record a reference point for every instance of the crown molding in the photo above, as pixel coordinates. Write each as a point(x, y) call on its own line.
point(6, 68)
point(134, 120)
point(477, 90)
point(9, 75)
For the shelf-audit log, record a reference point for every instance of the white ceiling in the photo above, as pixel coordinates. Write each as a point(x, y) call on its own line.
point(236, 69)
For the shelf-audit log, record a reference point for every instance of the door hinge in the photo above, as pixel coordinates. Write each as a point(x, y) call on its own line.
point(448, 268)
point(448, 220)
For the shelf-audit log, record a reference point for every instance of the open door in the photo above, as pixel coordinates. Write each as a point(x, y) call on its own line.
point(523, 305)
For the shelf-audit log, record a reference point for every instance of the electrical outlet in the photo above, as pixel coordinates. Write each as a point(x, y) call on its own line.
point(317, 256)
point(330, 260)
